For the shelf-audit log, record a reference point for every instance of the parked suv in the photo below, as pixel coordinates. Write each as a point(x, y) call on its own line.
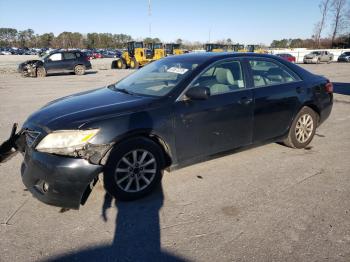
point(56, 62)
point(317, 57)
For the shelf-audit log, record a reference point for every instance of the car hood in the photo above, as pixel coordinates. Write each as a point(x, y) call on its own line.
point(33, 61)
point(73, 111)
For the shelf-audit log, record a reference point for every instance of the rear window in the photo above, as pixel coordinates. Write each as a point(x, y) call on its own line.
point(268, 73)
point(68, 56)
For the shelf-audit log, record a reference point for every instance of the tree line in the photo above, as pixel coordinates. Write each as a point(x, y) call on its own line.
point(334, 20)
point(10, 37)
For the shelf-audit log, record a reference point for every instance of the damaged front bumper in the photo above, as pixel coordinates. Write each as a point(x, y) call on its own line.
point(62, 181)
point(59, 181)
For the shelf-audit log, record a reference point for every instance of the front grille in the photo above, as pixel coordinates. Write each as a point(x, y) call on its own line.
point(31, 137)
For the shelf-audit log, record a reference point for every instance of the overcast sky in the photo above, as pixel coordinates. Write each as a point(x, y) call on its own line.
point(249, 21)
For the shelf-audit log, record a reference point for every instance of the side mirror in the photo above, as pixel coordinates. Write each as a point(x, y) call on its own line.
point(198, 93)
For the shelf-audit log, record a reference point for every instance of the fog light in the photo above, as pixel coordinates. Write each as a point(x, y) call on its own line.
point(45, 187)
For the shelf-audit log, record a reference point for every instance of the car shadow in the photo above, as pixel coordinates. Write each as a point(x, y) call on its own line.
point(70, 73)
point(341, 88)
point(137, 233)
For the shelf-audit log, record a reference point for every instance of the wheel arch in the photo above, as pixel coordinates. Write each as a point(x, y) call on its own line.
point(148, 134)
point(314, 107)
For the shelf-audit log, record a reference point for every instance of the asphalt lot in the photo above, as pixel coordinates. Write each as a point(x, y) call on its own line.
point(270, 203)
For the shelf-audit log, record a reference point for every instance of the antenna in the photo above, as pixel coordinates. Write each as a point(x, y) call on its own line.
point(149, 15)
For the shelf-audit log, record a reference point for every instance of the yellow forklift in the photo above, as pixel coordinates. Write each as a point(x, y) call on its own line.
point(229, 48)
point(239, 48)
point(133, 57)
point(214, 48)
point(173, 49)
point(155, 51)
point(256, 49)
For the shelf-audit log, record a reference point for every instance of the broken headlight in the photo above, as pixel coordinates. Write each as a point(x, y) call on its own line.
point(66, 142)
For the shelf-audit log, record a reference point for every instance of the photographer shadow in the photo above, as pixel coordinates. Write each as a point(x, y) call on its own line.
point(137, 233)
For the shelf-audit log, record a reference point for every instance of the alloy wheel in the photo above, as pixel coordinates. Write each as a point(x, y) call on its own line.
point(304, 128)
point(135, 170)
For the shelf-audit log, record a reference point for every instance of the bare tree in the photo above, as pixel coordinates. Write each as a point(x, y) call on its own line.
point(338, 10)
point(324, 6)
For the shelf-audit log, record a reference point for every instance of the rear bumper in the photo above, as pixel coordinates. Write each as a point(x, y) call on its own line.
point(310, 60)
point(326, 110)
point(66, 179)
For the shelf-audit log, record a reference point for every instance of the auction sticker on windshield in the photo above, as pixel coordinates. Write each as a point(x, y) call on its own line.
point(177, 70)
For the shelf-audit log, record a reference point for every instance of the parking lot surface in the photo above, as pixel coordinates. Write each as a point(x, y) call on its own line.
point(269, 203)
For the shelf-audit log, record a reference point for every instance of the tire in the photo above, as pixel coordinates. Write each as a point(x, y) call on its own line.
point(121, 64)
point(114, 64)
point(79, 70)
point(300, 135)
point(40, 72)
point(132, 182)
point(134, 64)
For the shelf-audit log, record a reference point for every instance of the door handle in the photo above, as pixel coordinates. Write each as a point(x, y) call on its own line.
point(245, 100)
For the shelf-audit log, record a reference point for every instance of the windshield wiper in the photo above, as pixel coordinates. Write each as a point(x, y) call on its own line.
point(122, 90)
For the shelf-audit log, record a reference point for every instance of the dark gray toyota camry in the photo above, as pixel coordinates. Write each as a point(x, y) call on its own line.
point(173, 112)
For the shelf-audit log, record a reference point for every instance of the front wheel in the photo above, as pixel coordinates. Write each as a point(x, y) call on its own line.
point(134, 169)
point(303, 129)
point(121, 64)
point(40, 72)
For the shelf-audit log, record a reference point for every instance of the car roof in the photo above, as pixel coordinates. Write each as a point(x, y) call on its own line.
point(212, 56)
point(209, 57)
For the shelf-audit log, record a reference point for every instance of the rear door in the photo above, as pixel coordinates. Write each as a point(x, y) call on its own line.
point(277, 94)
point(69, 61)
point(222, 122)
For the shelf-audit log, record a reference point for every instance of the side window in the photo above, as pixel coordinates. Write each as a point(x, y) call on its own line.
point(267, 73)
point(68, 56)
point(78, 55)
point(56, 57)
point(223, 77)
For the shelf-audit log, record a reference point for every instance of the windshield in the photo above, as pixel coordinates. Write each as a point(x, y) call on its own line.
point(45, 56)
point(157, 78)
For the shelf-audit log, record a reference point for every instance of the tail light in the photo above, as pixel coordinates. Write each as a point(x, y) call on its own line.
point(87, 58)
point(329, 87)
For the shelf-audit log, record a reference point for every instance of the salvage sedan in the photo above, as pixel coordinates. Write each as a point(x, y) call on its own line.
point(173, 112)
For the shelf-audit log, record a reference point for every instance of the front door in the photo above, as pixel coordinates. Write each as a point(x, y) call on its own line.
point(54, 63)
point(221, 122)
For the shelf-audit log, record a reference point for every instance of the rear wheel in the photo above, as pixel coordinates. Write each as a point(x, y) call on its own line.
point(134, 169)
point(134, 64)
point(303, 129)
point(40, 72)
point(79, 70)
